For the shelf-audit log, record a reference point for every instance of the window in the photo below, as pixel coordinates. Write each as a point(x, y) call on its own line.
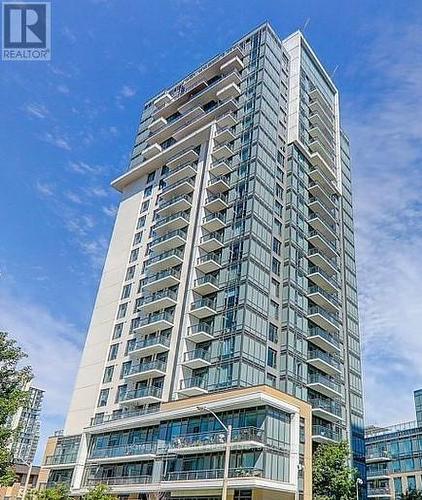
point(130, 273)
point(121, 391)
point(151, 177)
point(126, 291)
point(121, 313)
point(117, 332)
point(108, 374)
point(411, 483)
point(137, 238)
point(271, 358)
point(272, 333)
point(398, 486)
point(165, 170)
point(276, 266)
point(134, 255)
point(102, 400)
point(148, 191)
point(275, 288)
point(145, 205)
point(276, 246)
point(125, 369)
point(114, 349)
point(274, 310)
point(141, 222)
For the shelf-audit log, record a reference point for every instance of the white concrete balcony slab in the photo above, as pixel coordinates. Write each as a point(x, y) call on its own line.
point(218, 184)
point(157, 301)
point(216, 202)
point(323, 244)
point(203, 308)
point(316, 95)
point(327, 264)
point(230, 91)
point(149, 346)
point(324, 299)
point(201, 332)
point(329, 186)
point(155, 323)
point(316, 190)
point(190, 155)
point(317, 147)
point(161, 280)
point(208, 263)
point(323, 280)
point(151, 151)
point(222, 152)
point(319, 163)
point(144, 371)
point(318, 224)
point(163, 100)
point(227, 120)
point(205, 285)
point(234, 63)
point(211, 242)
point(324, 362)
point(172, 222)
point(181, 172)
point(327, 215)
point(157, 124)
point(177, 204)
point(220, 168)
point(322, 135)
point(169, 241)
point(195, 386)
point(165, 260)
point(183, 187)
point(214, 222)
point(173, 127)
point(224, 135)
point(324, 340)
point(324, 385)
point(326, 409)
point(323, 319)
point(198, 358)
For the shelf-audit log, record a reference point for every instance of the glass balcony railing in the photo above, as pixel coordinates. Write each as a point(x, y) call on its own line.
point(316, 269)
point(143, 392)
point(327, 405)
point(153, 318)
point(150, 341)
point(171, 201)
point(157, 364)
point(319, 354)
point(124, 450)
point(205, 302)
point(162, 294)
point(176, 184)
point(211, 236)
point(162, 274)
point(176, 252)
point(117, 480)
point(218, 437)
point(66, 458)
point(377, 472)
point(317, 378)
point(197, 354)
point(329, 296)
point(203, 280)
point(200, 327)
point(195, 475)
point(216, 197)
point(121, 415)
point(319, 310)
point(160, 222)
point(331, 227)
point(317, 331)
point(167, 236)
point(315, 251)
point(200, 382)
point(213, 216)
point(313, 232)
point(378, 492)
point(211, 256)
point(326, 432)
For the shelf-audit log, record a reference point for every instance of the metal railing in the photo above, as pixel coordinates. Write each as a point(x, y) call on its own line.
point(184, 215)
point(160, 275)
point(194, 475)
point(211, 236)
point(157, 364)
point(210, 256)
point(197, 354)
point(194, 382)
point(124, 450)
point(217, 437)
point(143, 392)
point(333, 339)
point(204, 302)
point(117, 480)
point(313, 232)
point(175, 252)
point(121, 415)
point(165, 204)
point(317, 378)
point(203, 280)
point(319, 354)
point(333, 318)
point(316, 269)
point(162, 294)
point(320, 430)
point(167, 236)
point(150, 341)
point(152, 318)
point(326, 405)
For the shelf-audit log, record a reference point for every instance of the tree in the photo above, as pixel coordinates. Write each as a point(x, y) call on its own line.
point(333, 478)
point(412, 495)
point(99, 492)
point(58, 492)
point(13, 379)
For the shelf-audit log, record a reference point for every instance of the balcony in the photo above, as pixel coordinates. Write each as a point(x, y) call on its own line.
point(324, 299)
point(226, 120)
point(135, 451)
point(188, 155)
point(328, 230)
point(317, 147)
point(381, 473)
point(319, 241)
point(218, 184)
point(206, 284)
point(198, 358)
point(203, 308)
point(222, 152)
point(327, 409)
point(150, 345)
point(172, 126)
point(224, 135)
point(219, 168)
point(324, 340)
point(194, 386)
point(157, 124)
point(162, 299)
point(317, 191)
point(324, 362)
point(230, 91)
point(216, 202)
point(322, 261)
point(174, 205)
point(172, 222)
point(208, 263)
point(183, 187)
point(322, 434)
point(318, 162)
point(214, 222)
point(201, 475)
point(163, 100)
point(169, 241)
point(378, 456)
point(323, 135)
point(159, 281)
point(63, 459)
point(155, 323)
point(165, 260)
point(328, 185)
point(379, 492)
point(151, 151)
point(324, 385)
point(117, 480)
point(142, 396)
point(215, 441)
point(323, 122)
point(327, 214)
point(316, 95)
point(324, 115)
point(323, 319)
point(323, 279)
point(181, 172)
point(144, 371)
point(211, 242)
point(201, 332)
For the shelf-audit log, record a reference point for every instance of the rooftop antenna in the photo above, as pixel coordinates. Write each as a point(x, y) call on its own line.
point(334, 72)
point(306, 24)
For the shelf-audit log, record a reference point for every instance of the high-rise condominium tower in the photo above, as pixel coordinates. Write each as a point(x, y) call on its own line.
point(231, 269)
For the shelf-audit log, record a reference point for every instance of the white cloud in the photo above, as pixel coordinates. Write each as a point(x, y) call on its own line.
point(110, 211)
point(37, 110)
point(44, 188)
point(83, 168)
point(57, 140)
point(127, 91)
point(63, 89)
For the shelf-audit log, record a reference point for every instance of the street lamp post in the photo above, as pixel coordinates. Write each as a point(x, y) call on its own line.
point(228, 429)
point(28, 477)
point(359, 482)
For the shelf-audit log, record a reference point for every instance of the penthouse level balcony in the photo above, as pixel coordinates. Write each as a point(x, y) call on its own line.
point(161, 280)
point(322, 434)
point(197, 358)
point(216, 202)
point(329, 185)
point(214, 222)
point(324, 385)
point(155, 323)
point(219, 184)
point(211, 242)
point(324, 319)
point(117, 480)
point(149, 346)
point(126, 452)
point(144, 371)
point(208, 263)
point(206, 284)
point(215, 441)
point(194, 386)
point(181, 172)
point(182, 187)
point(319, 163)
point(201, 475)
point(173, 205)
point(318, 240)
point(327, 215)
point(172, 222)
point(324, 299)
point(163, 299)
point(201, 332)
point(324, 362)
point(144, 395)
point(383, 492)
point(326, 409)
point(61, 459)
point(319, 259)
point(323, 279)
point(329, 342)
point(169, 241)
point(328, 230)
point(165, 260)
point(203, 308)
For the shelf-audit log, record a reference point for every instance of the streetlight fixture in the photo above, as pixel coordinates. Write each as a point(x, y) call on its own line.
point(228, 429)
point(359, 482)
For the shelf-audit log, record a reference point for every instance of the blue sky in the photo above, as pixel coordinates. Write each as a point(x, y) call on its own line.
point(68, 128)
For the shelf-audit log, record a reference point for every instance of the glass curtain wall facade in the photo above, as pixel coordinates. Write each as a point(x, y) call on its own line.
point(232, 259)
